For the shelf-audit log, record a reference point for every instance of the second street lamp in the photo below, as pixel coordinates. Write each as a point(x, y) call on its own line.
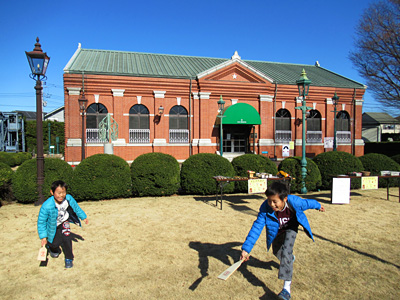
point(335, 100)
point(82, 108)
point(221, 104)
point(303, 84)
point(38, 62)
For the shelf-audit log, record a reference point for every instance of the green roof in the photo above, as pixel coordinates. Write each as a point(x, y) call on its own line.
point(109, 62)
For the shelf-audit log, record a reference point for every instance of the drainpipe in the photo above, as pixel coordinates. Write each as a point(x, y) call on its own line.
point(273, 115)
point(190, 119)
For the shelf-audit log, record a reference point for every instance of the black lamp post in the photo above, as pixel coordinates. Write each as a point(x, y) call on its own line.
point(335, 100)
point(38, 62)
point(221, 104)
point(303, 84)
point(82, 108)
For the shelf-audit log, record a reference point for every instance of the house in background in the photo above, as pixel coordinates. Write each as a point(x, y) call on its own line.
point(380, 127)
point(169, 104)
point(55, 115)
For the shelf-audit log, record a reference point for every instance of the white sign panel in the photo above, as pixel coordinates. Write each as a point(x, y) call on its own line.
point(285, 150)
point(328, 142)
point(341, 191)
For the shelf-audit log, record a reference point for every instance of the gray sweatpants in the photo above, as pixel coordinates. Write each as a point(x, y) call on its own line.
point(282, 248)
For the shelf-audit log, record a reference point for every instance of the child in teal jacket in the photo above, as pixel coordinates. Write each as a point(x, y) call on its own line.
point(54, 219)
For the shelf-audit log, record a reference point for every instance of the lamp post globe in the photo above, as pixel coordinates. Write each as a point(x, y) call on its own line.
point(303, 85)
point(38, 62)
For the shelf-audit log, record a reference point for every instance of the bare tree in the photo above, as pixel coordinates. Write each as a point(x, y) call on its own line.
point(377, 54)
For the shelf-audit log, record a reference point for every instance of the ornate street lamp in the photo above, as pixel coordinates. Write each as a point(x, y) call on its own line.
point(38, 62)
point(335, 100)
point(82, 108)
point(221, 104)
point(303, 84)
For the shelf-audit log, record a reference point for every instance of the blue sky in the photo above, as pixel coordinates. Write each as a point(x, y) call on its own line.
point(279, 31)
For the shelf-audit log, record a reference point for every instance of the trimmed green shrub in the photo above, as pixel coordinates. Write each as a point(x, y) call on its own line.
point(334, 163)
point(8, 158)
point(396, 158)
point(251, 162)
point(197, 174)
point(101, 176)
point(155, 174)
point(292, 166)
point(6, 174)
point(375, 163)
point(20, 157)
point(24, 182)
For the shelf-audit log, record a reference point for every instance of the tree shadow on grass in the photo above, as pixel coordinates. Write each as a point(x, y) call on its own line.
point(225, 251)
point(236, 202)
point(357, 251)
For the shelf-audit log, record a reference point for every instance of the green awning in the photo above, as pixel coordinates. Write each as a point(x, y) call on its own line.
point(241, 114)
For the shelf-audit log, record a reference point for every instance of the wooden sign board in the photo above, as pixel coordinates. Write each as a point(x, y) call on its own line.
point(369, 183)
point(42, 254)
point(341, 191)
point(256, 186)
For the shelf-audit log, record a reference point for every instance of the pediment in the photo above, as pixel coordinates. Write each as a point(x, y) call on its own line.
point(235, 72)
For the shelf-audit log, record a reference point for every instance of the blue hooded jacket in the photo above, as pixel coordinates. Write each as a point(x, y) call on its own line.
point(266, 218)
point(47, 219)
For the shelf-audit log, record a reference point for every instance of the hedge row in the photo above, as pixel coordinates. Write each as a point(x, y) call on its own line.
point(105, 176)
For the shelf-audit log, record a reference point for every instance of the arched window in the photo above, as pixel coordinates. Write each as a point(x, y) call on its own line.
point(283, 118)
point(343, 121)
point(343, 133)
point(95, 113)
point(139, 117)
point(314, 133)
point(139, 124)
point(178, 125)
point(283, 132)
point(314, 121)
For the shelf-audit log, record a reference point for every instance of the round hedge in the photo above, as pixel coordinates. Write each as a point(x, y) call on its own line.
point(6, 174)
point(396, 158)
point(101, 176)
point(335, 163)
point(24, 182)
point(198, 170)
point(155, 174)
point(292, 166)
point(8, 159)
point(253, 162)
point(375, 163)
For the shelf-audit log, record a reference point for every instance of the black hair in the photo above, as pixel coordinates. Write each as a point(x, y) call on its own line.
point(58, 183)
point(278, 188)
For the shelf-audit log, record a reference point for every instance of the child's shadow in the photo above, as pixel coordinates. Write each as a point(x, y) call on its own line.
point(74, 237)
point(222, 252)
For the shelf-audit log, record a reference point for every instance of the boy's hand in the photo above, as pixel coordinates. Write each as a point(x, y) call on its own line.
point(322, 208)
point(244, 256)
point(43, 241)
point(86, 221)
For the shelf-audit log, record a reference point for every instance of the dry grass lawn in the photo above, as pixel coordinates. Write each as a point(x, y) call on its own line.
point(175, 247)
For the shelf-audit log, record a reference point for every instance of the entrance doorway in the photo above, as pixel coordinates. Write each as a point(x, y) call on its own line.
point(236, 139)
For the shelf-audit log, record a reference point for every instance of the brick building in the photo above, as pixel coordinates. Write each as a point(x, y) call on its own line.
point(168, 103)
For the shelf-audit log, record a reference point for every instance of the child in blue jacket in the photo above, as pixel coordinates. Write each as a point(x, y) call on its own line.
point(54, 219)
point(281, 215)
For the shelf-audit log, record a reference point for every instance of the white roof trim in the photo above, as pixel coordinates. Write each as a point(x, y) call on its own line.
point(235, 58)
point(68, 65)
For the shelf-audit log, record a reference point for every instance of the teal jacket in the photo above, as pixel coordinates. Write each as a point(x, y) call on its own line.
point(266, 218)
point(47, 219)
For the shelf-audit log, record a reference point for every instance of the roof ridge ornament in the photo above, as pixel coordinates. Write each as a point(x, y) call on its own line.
point(235, 56)
point(79, 46)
